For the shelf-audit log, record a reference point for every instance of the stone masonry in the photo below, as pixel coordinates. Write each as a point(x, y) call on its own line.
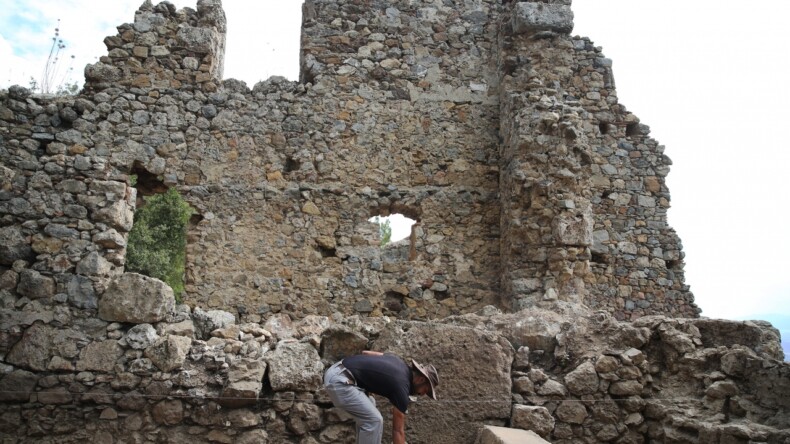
point(541, 277)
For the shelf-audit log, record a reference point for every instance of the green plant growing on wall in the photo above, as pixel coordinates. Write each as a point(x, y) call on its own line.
point(157, 242)
point(385, 231)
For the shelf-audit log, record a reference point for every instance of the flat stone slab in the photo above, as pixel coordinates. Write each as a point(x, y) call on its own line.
point(504, 435)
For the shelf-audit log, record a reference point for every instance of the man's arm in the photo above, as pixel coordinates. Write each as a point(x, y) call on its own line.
point(398, 426)
point(372, 353)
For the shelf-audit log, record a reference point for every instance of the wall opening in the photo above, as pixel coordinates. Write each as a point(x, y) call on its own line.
point(157, 242)
point(393, 227)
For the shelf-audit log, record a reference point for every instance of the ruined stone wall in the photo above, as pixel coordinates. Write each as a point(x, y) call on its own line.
point(152, 373)
point(583, 192)
point(535, 191)
point(488, 124)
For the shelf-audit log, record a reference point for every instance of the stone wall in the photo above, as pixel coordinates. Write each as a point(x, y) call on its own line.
point(156, 372)
point(497, 132)
point(535, 193)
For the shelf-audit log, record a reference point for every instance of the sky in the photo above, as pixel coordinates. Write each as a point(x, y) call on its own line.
point(708, 77)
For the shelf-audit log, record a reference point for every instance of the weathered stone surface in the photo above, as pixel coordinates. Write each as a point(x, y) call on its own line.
point(534, 418)
point(94, 265)
point(207, 321)
point(118, 215)
point(101, 72)
point(245, 381)
point(55, 396)
point(583, 380)
point(502, 435)
point(135, 298)
point(451, 350)
point(17, 386)
point(13, 245)
point(81, 293)
point(99, 356)
point(572, 412)
point(252, 437)
point(552, 388)
point(168, 412)
point(532, 184)
point(530, 18)
point(280, 325)
point(33, 349)
point(339, 341)
point(35, 285)
point(183, 328)
point(625, 388)
point(294, 366)
point(169, 352)
point(141, 336)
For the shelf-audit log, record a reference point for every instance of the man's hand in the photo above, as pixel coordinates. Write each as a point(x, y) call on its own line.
point(398, 427)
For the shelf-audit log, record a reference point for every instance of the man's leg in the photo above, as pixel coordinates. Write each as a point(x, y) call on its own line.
point(370, 424)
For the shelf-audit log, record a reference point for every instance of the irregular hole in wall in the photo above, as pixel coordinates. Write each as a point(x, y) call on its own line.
point(632, 129)
point(598, 258)
point(146, 183)
point(291, 164)
point(393, 227)
point(603, 127)
point(393, 302)
point(326, 250)
point(158, 238)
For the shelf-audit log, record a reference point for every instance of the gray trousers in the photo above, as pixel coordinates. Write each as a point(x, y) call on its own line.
point(345, 395)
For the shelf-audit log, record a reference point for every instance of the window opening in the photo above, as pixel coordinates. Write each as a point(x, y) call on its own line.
point(157, 241)
point(393, 228)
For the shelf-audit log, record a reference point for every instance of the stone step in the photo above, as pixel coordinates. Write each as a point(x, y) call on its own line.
point(504, 435)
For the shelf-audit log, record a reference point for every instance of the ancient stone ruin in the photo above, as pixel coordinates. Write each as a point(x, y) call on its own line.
point(541, 278)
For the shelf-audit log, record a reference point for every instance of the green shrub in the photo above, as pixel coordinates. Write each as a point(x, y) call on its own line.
point(157, 242)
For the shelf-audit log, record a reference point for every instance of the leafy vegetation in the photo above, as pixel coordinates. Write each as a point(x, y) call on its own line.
point(385, 230)
point(157, 242)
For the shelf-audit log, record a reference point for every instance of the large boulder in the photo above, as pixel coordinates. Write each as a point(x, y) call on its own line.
point(294, 366)
point(138, 299)
point(473, 365)
point(583, 380)
point(532, 417)
point(339, 341)
point(504, 435)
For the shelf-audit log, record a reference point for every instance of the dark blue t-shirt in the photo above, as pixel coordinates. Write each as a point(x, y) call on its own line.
point(385, 375)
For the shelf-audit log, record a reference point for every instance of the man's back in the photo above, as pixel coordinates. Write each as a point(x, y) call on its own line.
point(385, 375)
